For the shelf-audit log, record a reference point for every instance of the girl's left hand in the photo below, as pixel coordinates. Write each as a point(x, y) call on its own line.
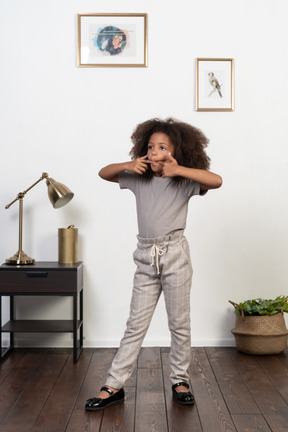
point(170, 167)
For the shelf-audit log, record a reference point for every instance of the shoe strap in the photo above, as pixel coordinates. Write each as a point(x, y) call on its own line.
point(180, 384)
point(107, 390)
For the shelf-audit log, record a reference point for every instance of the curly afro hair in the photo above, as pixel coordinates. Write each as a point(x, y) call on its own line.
point(189, 142)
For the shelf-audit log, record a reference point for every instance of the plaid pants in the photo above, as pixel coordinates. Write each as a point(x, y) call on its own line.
point(163, 264)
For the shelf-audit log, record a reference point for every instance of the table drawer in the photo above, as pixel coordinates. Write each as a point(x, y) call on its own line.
point(39, 281)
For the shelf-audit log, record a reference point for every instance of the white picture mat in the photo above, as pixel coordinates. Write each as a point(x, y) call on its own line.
point(222, 70)
point(134, 52)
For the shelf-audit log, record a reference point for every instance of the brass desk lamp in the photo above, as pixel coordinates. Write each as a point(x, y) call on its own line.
point(59, 196)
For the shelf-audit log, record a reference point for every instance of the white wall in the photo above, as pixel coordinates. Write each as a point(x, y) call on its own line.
point(71, 121)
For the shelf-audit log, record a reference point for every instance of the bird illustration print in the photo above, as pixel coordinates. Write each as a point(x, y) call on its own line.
point(215, 84)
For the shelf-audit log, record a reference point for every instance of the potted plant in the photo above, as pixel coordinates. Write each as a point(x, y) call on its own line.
point(260, 326)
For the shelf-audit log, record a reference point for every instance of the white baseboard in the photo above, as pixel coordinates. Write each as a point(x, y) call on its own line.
point(56, 341)
point(163, 343)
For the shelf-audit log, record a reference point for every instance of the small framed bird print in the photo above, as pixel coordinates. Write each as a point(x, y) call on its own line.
point(214, 84)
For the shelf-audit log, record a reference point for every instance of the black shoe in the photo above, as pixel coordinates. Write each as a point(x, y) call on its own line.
point(183, 398)
point(95, 404)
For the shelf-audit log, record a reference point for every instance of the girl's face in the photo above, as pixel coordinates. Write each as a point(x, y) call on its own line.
point(159, 147)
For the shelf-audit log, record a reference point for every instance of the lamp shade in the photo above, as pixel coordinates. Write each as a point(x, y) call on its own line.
point(58, 193)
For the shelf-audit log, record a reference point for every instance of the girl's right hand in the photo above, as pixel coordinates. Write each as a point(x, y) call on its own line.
point(139, 165)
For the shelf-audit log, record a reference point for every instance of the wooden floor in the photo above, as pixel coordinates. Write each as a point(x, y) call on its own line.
point(42, 390)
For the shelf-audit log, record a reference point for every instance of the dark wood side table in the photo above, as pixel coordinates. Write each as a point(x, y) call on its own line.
point(43, 279)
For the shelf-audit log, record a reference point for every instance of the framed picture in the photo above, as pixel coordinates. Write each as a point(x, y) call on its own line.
point(112, 40)
point(214, 84)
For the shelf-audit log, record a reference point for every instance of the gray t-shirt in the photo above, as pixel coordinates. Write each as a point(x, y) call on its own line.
point(162, 205)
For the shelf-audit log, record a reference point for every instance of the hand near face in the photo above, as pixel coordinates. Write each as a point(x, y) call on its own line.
point(170, 167)
point(139, 165)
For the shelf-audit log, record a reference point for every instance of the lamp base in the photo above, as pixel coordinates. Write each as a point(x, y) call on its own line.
point(20, 258)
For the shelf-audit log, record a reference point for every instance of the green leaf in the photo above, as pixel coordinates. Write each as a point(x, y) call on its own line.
point(263, 306)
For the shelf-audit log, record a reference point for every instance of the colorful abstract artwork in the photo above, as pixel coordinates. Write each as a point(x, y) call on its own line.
point(112, 40)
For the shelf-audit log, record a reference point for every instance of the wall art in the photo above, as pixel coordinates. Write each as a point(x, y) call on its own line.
point(112, 40)
point(214, 84)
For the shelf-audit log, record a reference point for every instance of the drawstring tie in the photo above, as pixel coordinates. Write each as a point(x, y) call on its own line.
point(155, 253)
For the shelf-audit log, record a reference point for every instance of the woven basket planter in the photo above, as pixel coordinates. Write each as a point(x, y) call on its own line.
point(260, 335)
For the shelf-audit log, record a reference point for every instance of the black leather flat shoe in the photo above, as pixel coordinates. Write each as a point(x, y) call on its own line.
point(183, 398)
point(95, 404)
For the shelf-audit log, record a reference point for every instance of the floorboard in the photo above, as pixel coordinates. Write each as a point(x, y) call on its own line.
point(234, 390)
point(29, 405)
point(43, 390)
point(264, 392)
point(211, 406)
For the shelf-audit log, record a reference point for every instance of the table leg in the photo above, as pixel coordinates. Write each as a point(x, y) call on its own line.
point(5, 350)
point(81, 319)
point(75, 328)
point(1, 326)
point(11, 318)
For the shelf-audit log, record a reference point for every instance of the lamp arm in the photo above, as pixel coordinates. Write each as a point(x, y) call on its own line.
point(22, 194)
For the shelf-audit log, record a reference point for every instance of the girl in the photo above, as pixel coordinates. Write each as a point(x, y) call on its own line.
point(169, 165)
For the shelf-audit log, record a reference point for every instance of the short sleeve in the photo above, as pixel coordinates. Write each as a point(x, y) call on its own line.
point(191, 188)
point(126, 180)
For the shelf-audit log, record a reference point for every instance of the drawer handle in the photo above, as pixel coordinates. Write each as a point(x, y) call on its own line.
point(36, 274)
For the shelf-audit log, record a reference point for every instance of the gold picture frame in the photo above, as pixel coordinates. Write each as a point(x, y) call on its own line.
point(214, 84)
point(112, 40)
